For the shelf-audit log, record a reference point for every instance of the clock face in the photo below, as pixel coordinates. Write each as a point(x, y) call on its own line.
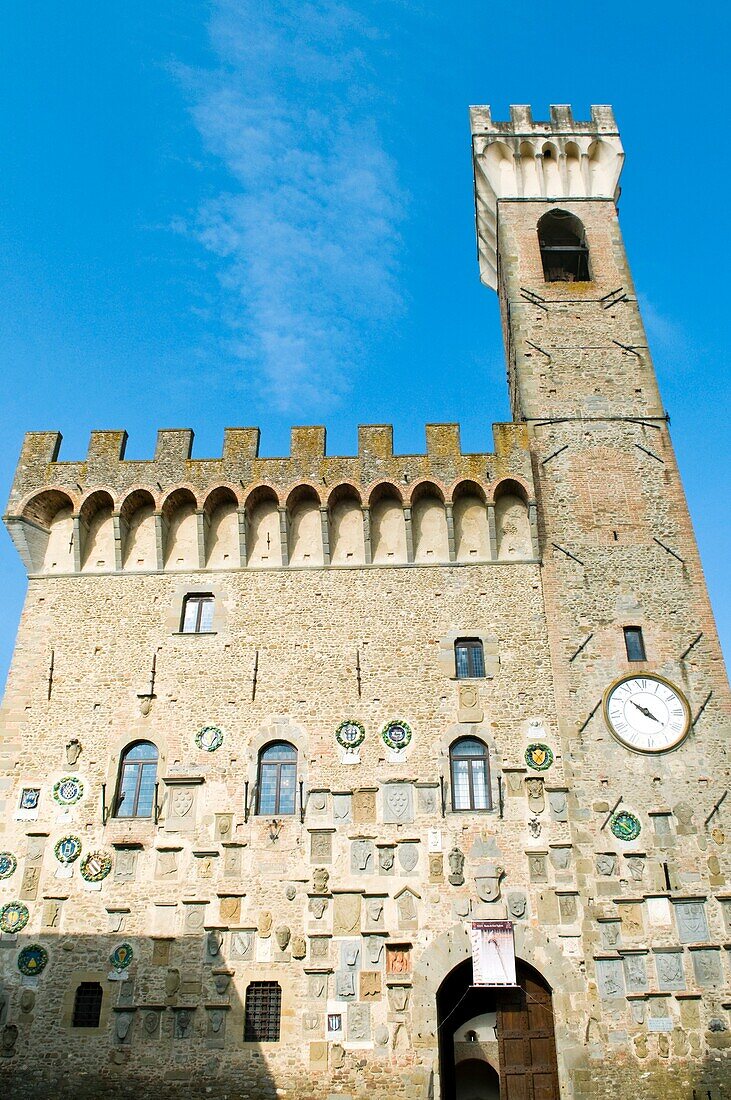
point(646, 713)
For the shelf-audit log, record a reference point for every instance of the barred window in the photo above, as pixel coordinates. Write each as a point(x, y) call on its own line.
point(470, 775)
point(197, 614)
point(87, 1005)
point(262, 1013)
point(469, 658)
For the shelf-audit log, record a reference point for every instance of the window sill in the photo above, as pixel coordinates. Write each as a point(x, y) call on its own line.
point(194, 633)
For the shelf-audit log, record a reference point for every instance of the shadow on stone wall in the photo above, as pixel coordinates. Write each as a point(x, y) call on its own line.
point(171, 1023)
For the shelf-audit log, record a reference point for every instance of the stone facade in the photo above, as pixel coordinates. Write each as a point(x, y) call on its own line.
point(340, 586)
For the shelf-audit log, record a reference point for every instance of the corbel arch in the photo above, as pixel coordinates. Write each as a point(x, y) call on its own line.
point(43, 531)
point(345, 525)
point(221, 528)
point(304, 526)
point(138, 531)
point(97, 551)
point(263, 534)
point(180, 529)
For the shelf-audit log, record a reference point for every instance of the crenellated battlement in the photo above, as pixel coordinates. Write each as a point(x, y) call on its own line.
point(108, 513)
point(561, 158)
point(561, 120)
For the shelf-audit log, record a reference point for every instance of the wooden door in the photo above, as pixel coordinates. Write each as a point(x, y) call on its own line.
point(528, 1069)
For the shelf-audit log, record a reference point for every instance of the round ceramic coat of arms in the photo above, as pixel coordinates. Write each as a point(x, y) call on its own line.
point(13, 917)
point(95, 866)
point(68, 790)
point(625, 826)
point(122, 956)
point(539, 757)
point(8, 863)
point(67, 849)
point(396, 734)
point(32, 959)
point(209, 738)
point(350, 734)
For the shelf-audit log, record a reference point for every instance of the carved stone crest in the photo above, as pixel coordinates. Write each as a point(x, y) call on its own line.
point(536, 801)
point(318, 907)
point(183, 1022)
point(561, 856)
point(374, 910)
point(345, 984)
point(214, 941)
point(636, 867)
point(320, 880)
point(317, 986)
point(73, 751)
point(386, 858)
point(181, 801)
point(487, 882)
point(398, 802)
point(407, 912)
point(122, 1025)
point(230, 909)
point(222, 980)
point(606, 863)
point(283, 935)
point(346, 914)
point(172, 983)
point(242, 944)
point(298, 947)
point(558, 801)
point(408, 855)
point(151, 1022)
point(362, 855)
point(370, 985)
point(398, 997)
point(456, 867)
point(517, 905)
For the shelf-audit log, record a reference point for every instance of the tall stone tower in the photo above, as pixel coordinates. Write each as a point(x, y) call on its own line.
point(624, 593)
point(392, 774)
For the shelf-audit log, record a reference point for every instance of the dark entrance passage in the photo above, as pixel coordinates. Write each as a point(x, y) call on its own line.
point(496, 1044)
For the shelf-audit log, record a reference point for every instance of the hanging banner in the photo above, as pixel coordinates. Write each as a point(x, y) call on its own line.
point(493, 953)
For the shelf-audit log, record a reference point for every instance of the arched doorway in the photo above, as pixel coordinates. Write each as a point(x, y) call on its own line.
point(476, 1080)
point(496, 1044)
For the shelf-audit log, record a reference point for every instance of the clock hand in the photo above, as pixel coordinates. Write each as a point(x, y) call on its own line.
point(643, 710)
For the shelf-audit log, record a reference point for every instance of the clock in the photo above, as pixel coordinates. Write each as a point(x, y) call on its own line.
point(646, 713)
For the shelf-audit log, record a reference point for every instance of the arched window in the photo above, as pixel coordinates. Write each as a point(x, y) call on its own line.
point(197, 613)
point(563, 247)
point(137, 775)
point(470, 775)
point(469, 658)
point(87, 1005)
point(277, 779)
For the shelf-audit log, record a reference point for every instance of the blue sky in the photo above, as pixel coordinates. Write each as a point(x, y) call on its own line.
point(255, 212)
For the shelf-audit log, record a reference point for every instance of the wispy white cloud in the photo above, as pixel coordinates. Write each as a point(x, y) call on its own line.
point(670, 345)
point(306, 235)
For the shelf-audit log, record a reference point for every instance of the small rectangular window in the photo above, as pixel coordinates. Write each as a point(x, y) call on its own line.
point(469, 659)
point(262, 1013)
point(634, 643)
point(197, 614)
point(87, 1005)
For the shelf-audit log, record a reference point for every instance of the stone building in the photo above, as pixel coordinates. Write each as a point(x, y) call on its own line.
point(278, 731)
